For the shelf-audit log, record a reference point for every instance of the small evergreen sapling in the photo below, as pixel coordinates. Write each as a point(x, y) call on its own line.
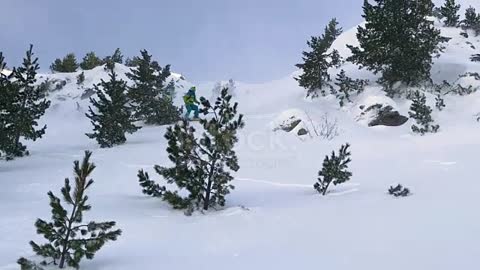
point(71, 240)
point(81, 79)
point(199, 164)
point(422, 114)
point(334, 171)
point(399, 191)
point(112, 118)
point(450, 12)
point(439, 101)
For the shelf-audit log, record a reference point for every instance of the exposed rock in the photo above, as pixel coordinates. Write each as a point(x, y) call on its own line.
point(289, 126)
point(384, 115)
point(302, 132)
point(88, 93)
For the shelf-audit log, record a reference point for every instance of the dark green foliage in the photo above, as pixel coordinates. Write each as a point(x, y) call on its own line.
point(116, 58)
point(450, 13)
point(70, 240)
point(199, 163)
point(397, 41)
point(437, 13)
point(399, 191)
point(439, 89)
point(28, 265)
point(112, 117)
point(66, 65)
point(133, 62)
point(472, 19)
point(335, 170)
point(318, 60)
point(150, 95)
point(90, 61)
point(475, 58)
point(23, 105)
point(5, 98)
point(347, 86)
point(81, 78)
point(422, 114)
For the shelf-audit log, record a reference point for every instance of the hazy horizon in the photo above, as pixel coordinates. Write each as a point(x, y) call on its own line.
point(250, 41)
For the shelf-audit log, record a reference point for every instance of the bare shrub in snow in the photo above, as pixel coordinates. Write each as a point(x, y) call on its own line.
point(326, 129)
point(334, 171)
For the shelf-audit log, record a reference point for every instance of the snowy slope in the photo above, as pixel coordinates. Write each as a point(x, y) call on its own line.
point(273, 219)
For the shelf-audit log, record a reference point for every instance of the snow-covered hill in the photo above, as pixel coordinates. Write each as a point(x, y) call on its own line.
point(274, 219)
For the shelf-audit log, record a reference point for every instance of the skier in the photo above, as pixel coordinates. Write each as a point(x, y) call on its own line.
point(190, 100)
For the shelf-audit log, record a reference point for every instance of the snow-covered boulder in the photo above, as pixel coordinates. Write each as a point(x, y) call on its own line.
point(384, 115)
point(379, 110)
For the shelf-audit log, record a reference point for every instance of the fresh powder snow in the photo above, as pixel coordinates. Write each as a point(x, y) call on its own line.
point(274, 219)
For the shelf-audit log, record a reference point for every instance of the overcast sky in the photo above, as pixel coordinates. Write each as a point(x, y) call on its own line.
point(206, 40)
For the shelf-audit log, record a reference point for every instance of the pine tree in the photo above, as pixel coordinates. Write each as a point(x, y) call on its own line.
point(199, 164)
point(450, 12)
point(66, 65)
point(150, 95)
point(346, 86)
point(90, 61)
point(71, 240)
point(5, 102)
point(422, 114)
point(132, 62)
point(57, 65)
point(117, 57)
point(334, 171)
point(472, 20)
point(398, 41)
point(26, 106)
point(318, 60)
point(112, 118)
point(81, 79)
